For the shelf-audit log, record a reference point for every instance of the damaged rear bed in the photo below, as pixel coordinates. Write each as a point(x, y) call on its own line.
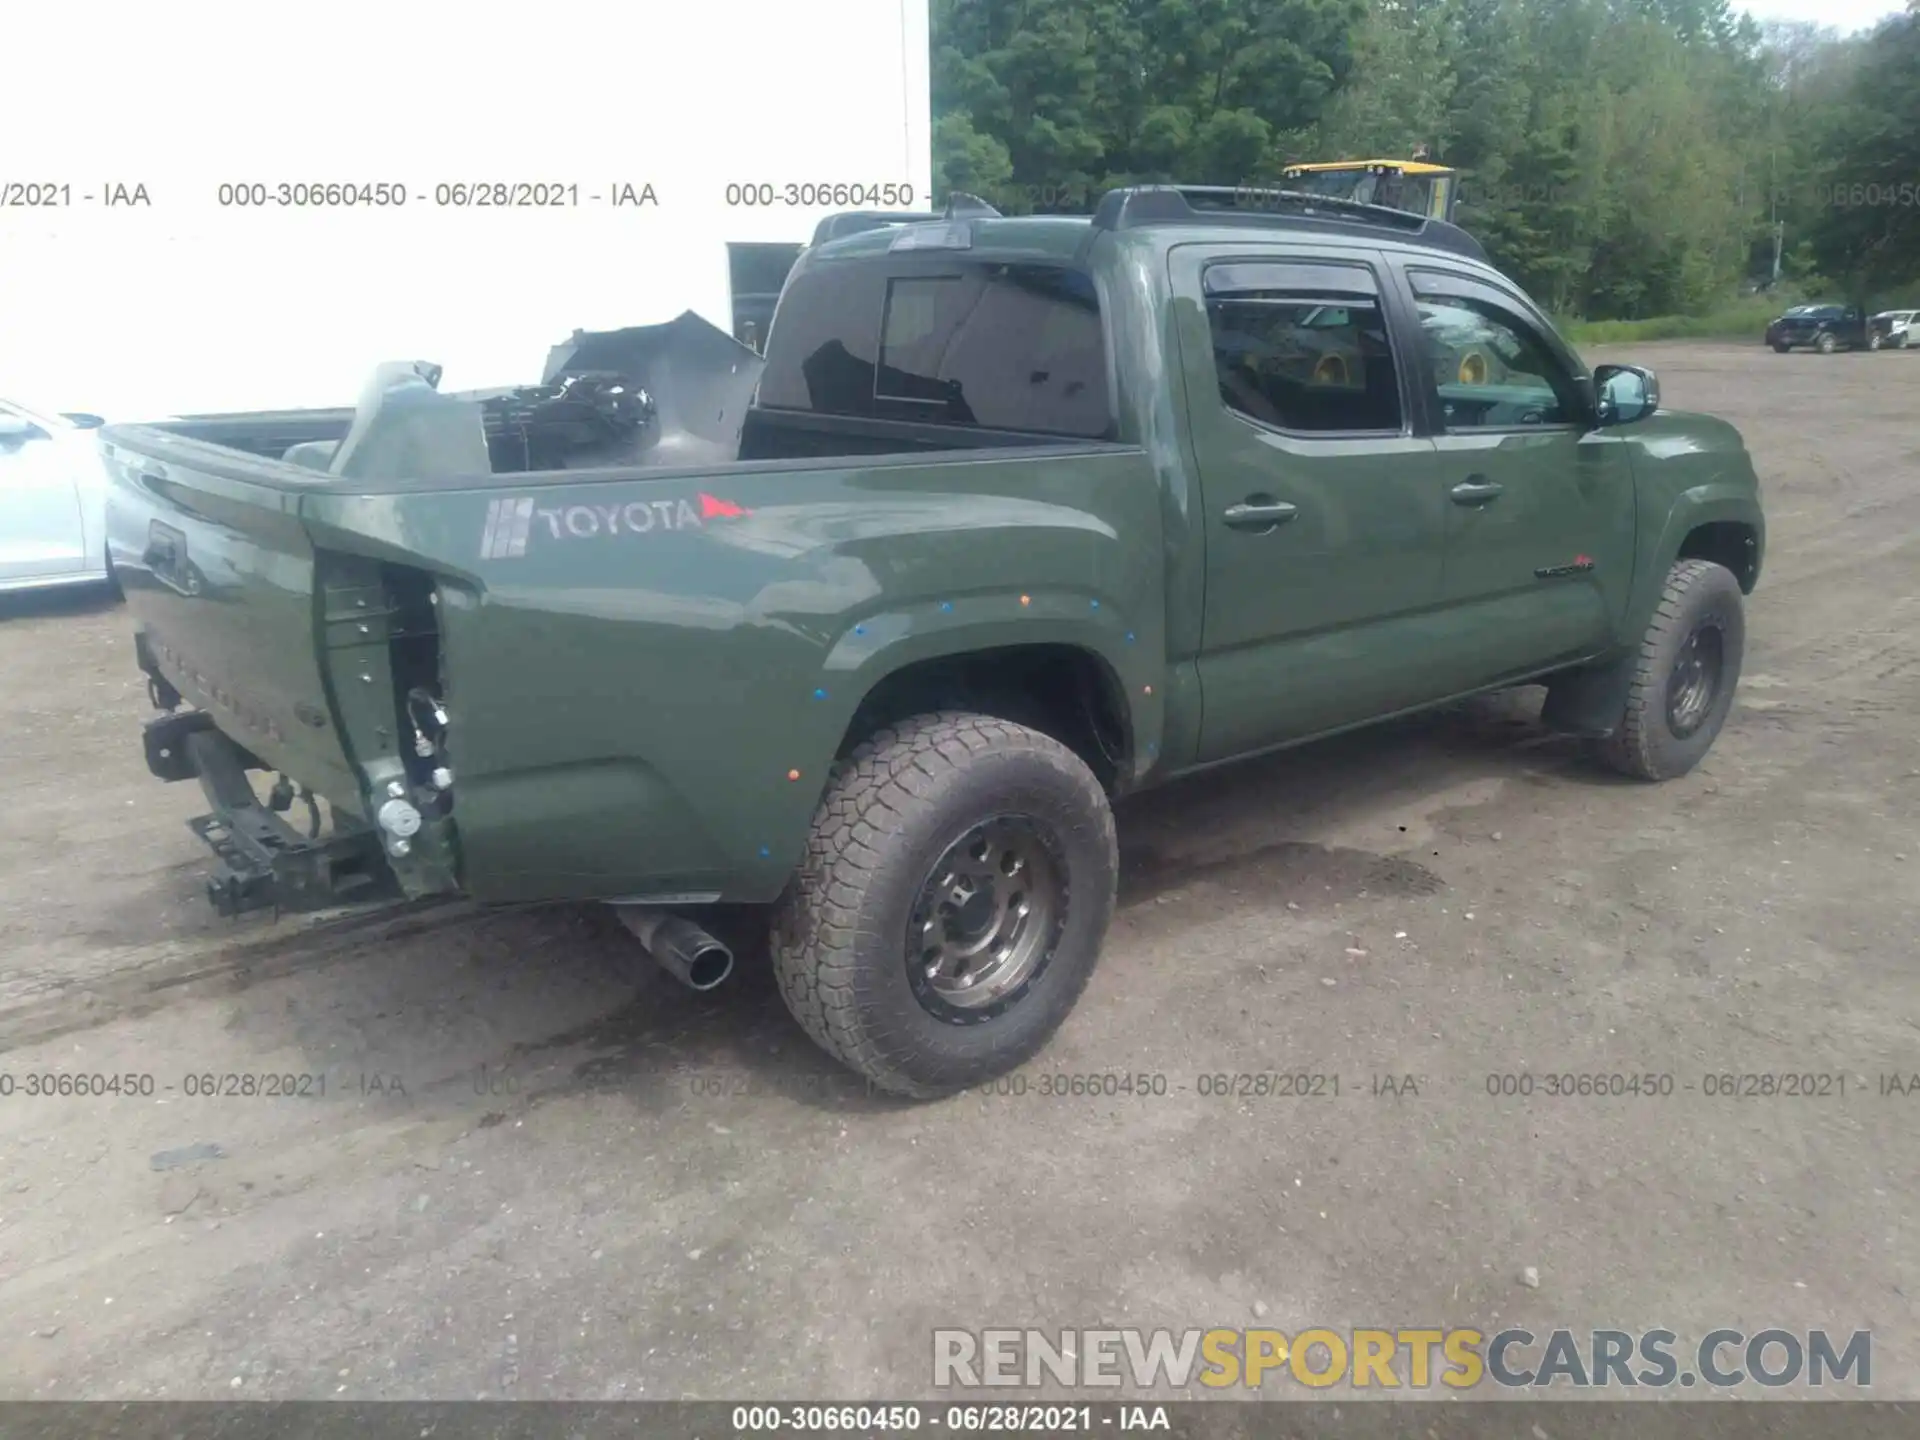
point(312, 662)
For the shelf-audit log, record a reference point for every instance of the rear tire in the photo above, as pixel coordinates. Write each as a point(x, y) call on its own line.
point(921, 814)
point(1873, 342)
point(1684, 676)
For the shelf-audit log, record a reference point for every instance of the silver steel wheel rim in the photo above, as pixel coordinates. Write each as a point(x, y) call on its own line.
point(987, 915)
point(1695, 680)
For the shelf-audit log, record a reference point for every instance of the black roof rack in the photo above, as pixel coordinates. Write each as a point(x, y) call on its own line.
point(960, 206)
point(1240, 205)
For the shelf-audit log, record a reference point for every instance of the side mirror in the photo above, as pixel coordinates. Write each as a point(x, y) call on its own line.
point(1625, 393)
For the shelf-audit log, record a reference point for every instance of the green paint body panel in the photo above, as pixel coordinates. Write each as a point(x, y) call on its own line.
point(647, 694)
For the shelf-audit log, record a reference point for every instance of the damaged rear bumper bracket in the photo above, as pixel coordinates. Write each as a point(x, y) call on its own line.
point(265, 864)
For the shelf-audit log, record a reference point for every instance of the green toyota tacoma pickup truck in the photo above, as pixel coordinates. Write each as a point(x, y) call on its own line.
point(1016, 516)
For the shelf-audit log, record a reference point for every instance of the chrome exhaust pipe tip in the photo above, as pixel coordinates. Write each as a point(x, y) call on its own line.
point(680, 947)
point(703, 966)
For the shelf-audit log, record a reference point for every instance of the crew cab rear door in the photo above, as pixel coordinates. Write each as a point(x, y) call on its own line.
point(1323, 514)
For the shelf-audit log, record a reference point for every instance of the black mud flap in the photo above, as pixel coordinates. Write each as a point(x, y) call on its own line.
point(265, 863)
point(1589, 703)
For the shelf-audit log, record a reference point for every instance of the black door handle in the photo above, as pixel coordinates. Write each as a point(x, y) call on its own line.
point(1259, 512)
point(1476, 492)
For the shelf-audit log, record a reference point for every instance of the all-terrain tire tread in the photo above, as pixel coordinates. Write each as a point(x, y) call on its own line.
point(1630, 748)
point(868, 800)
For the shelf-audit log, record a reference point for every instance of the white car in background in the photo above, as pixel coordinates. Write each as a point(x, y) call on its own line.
point(53, 499)
point(1899, 329)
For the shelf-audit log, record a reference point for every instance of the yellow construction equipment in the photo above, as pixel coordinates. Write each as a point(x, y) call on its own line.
point(1412, 185)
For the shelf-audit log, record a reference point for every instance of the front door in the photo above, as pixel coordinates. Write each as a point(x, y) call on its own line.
point(1323, 514)
point(1539, 503)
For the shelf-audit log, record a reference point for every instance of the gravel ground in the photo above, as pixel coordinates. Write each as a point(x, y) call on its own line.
point(542, 1170)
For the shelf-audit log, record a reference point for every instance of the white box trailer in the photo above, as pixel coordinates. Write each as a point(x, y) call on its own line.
point(259, 206)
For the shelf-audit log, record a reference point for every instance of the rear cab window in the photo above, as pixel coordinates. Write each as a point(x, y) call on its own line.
point(952, 343)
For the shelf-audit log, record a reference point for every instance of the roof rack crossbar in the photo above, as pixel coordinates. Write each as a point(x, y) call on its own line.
point(1138, 205)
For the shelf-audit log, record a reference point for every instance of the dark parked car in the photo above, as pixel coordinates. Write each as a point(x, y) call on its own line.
point(1826, 328)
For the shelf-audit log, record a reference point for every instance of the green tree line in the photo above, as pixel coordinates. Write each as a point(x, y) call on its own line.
point(1621, 158)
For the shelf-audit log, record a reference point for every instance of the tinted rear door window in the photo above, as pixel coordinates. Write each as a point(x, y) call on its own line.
point(1303, 347)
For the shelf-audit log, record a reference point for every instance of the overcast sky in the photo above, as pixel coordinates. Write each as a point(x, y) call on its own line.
point(1841, 14)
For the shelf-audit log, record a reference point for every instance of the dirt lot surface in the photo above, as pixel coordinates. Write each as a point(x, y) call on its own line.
point(541, 1169)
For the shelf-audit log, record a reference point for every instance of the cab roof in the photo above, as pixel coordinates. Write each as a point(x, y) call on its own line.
point(1193, 212)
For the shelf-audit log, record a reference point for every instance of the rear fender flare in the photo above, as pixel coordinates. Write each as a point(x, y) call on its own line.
point(876, 646)
point(871, 646)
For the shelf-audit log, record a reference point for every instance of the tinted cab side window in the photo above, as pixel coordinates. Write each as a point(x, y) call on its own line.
point(1490, 365)
point(1303, 347)
point(1003, 347)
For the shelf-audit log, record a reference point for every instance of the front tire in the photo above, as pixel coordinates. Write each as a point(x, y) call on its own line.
point(1826, 344)
point(1781, 349)
point(951, 905)
point(1684, 676)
